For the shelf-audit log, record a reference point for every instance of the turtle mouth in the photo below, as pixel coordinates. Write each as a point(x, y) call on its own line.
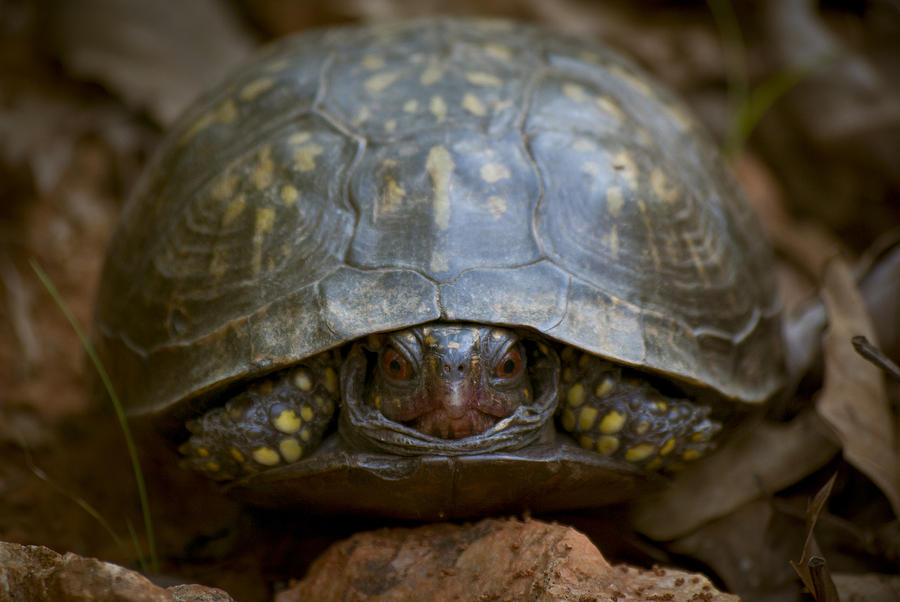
point(440, 423)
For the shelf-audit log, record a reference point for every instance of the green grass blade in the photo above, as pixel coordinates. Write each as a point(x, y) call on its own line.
point(79, 501)
point(120, 413)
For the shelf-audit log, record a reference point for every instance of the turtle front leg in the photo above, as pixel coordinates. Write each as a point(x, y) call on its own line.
point(626, 418)
point(276, 420)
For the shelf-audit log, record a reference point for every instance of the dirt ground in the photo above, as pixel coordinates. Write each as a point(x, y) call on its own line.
point(803, 96)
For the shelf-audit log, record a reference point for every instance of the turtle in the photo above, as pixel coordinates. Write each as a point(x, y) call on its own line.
point(437, 268)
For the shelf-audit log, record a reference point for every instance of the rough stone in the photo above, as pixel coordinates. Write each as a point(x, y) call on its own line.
point(490, 560)
point(36, 573)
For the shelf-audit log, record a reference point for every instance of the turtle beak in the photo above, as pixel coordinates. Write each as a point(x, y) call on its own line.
point(451, 383)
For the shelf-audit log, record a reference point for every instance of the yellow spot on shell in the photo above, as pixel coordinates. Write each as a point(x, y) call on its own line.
point(567, 374)
point(411, 106)
point(586, 442)
point(255, 88)
point(265, 169)
point(498, 51)
point(642, 427)
point(392, 196)
point(305, 157)
point(378, 402)
point(439, 166)
point(266, 456)
point(587, 417)
point(638, 84)
point(288, 422)
point(660, 406)
point(654, 464)
point(681, 116)
point(568, 420)
point(493, 172)
point(473, 105)
point(202, 452)
point(614, 201)
point(575, 92)
point(289, 194)
point(234, 209)
point(224, 187)
point(438, 108)
point(290, 450)
point(480, 78)
point(575, 397)
point(361, 115)
point(496, 205)
point(265, 219)
point(662, 186)
point(698, 437)
point(372, 62)
point(331, 380)
point(609, 106)
point(583, 360)
point(307, 413)
point(624, 163)
point(224, 114)
point(212, 466)
point(607, 445)
point(640, 452)
point(612, 423)
point(277, 65)
point(691, 454)
point(305, 435)
point(431, 74)
point(380, 81)
point(298, 138)
point(667, 447)
point(236, 454)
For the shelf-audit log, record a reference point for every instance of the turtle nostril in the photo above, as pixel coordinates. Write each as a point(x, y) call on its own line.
point(461, 367)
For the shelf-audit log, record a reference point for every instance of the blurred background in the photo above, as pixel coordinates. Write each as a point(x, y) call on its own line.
point(803, 97)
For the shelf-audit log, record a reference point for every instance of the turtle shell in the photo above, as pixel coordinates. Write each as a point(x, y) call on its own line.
point(364, 179)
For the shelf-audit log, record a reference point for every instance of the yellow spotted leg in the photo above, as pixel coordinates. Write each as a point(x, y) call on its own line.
point(275, 420)
point(626, 418)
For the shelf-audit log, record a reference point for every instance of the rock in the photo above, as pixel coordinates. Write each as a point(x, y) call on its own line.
point(490, 560)
point(36, 573)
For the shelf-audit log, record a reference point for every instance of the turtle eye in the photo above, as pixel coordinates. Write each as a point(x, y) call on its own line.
point(395, 365)
point(509, 365)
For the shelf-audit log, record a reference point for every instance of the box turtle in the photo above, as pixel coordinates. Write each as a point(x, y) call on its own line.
point(439, 268)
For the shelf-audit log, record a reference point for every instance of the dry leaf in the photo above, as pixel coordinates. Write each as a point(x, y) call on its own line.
point(158, 56)
point(766, 457)
point(748, 549)
point(870, 587)
point(853, 400)
point(812, 568)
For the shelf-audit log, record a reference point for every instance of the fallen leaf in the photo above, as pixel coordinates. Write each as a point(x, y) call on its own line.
point(157, 56)
point(812, 568)
point(766, 457)
point(853, 400)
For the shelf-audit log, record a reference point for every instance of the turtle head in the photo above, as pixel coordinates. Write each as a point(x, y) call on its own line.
point(450, 381)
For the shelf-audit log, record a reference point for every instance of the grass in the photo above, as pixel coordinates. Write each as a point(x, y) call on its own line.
point(123, 424)
point(749, 104)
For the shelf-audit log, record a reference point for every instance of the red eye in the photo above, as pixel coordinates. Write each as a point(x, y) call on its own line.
point(395, 365)
point(509, 365)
